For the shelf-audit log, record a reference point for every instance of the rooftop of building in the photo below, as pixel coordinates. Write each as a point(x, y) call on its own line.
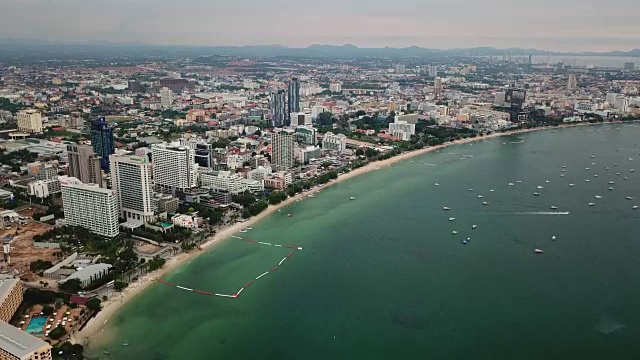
point(17, 342)
point(88, 272)
point(6, 285)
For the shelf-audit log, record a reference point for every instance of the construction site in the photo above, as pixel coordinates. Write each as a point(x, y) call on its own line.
point(18, 250)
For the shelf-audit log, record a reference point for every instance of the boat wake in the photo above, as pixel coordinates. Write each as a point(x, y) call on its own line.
point(542, 213)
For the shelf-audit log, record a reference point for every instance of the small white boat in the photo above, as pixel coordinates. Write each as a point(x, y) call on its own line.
point(587, 180)
point(587, 169)
point(446, 208)
point(464, 242)
point(625, 178)
point(451, 218)
point(480, 196)
point(635, 207)
point(617, 173)
point(547, 181)
point(610, 188)
point(616, 164)
point(593, 163)
point(561, 175)
point(436, 184)
point(538, 251)
point(629, 198)
point(630, 159)
point(564, 170)
point(564, 166)
point(511, 184)
point(540, 187)
point(553, 237)
point(519, 181)
point(248, 228)
point(592, 204)
point(598, 197)
point(243, 231)
point(592, 156)
point(536, 194)
point(310, 195)
point(572, 185)
point(631, 170)
point(470, 189)
point(474, 226)
point(595, 175)
point(352, 198)
point(454, 232)
point(554, 208)
point(485, 203)
point(491, 190)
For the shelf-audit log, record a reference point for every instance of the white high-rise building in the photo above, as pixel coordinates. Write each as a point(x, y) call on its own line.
point(433, 71)
point(174, 166)
point(30, 121)
point(131, 179)
point(335, 87)
point(336, 142)
point(282, 149)
point(166, 97)
point(90, 206)
point(402, 130)
point(572, 83)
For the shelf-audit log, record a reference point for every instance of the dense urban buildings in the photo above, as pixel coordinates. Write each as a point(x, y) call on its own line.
point(90, 207)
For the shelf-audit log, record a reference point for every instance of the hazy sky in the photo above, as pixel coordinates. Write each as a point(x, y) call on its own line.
point(546, 24)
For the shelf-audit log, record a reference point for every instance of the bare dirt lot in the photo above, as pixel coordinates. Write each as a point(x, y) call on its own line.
point(22, 250)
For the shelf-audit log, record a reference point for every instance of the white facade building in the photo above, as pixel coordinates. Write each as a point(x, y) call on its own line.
point(224, 181)
point(166, 97)
point(29, 121)
point(335, 87)
point(90, 206)
point(174, 166)
point(403, 129)
point(131, 180)
point(335, 142)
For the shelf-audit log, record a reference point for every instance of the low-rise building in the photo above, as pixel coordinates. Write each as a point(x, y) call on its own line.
point(89, 274)
point(335, 142)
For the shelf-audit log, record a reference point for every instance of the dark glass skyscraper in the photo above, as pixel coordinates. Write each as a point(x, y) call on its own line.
point(278, 109)
point(102, 141)
point(294, 98)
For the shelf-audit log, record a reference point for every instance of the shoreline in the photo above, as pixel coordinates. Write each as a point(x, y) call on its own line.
point(95, 326)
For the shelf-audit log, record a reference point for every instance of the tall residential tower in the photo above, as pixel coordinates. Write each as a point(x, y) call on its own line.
point(102, 141)
point(131, 180)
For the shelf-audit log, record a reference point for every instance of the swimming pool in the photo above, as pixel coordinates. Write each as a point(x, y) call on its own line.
point(36, 325)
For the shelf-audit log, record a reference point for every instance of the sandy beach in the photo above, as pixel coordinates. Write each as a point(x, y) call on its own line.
point(93, 329)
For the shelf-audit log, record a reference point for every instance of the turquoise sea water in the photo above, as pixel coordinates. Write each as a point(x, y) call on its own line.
point(36, 325)
point(382, 277)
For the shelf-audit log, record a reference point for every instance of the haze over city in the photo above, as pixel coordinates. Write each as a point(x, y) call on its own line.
point(589, 25)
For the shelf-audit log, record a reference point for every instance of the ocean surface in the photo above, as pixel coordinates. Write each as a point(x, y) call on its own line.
point(382, 276)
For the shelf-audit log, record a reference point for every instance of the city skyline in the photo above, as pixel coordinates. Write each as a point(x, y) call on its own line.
point(591, 26)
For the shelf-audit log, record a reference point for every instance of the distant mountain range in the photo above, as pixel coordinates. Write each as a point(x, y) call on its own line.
point(34, 48)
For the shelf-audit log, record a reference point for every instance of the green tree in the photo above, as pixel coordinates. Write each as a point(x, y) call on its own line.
point(94, 304)
point(359, 152)
point(325, 119)
point(47, 310)
point(119, 285)
point(58, 332)
point(71, 285)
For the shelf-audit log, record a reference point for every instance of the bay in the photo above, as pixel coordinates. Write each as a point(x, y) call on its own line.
point(382, 276)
